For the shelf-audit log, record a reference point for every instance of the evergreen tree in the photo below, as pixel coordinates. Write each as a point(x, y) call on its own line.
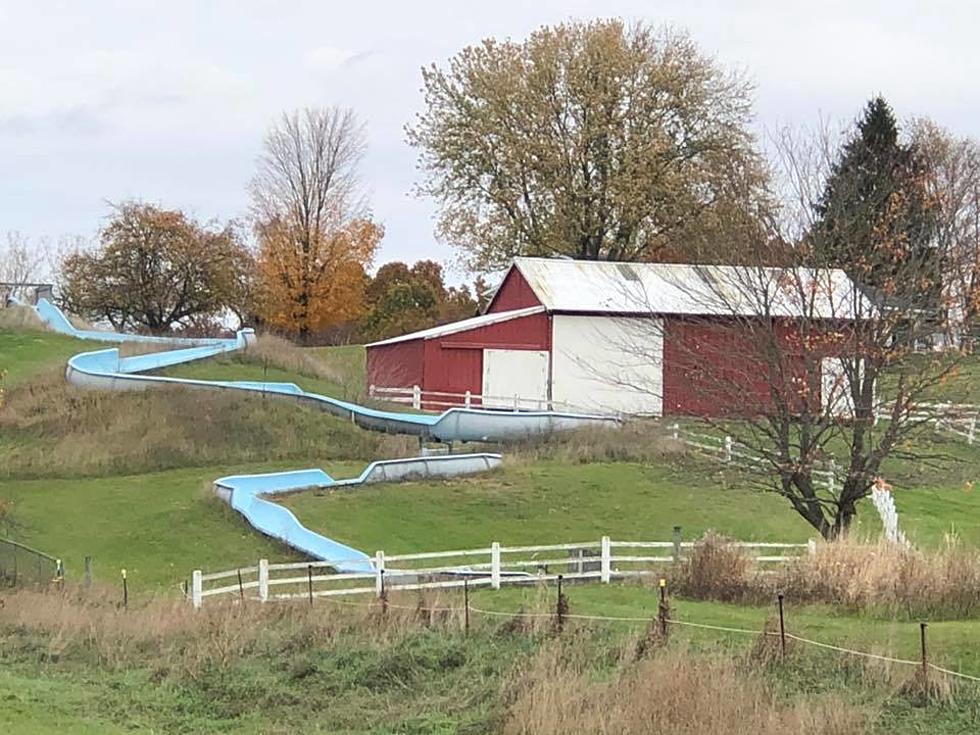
point(876, 219)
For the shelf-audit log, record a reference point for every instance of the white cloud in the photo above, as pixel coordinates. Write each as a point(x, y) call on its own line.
point(329, 58)
point(168, 101)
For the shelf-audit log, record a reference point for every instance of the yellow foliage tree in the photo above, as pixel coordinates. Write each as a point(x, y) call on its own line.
point(316, 237)
point(305, 290)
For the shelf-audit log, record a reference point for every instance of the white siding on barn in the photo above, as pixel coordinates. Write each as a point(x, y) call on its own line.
point(605, 363)
point(835, 388)
point(509, 373)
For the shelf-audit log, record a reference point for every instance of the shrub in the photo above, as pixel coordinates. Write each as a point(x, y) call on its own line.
point(715, 570)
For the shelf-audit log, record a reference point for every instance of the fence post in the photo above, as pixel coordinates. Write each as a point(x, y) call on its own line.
point(728, 449)
point(922, 640)
point(663, 610)
point(466, 606)
point(379, 573)
point(416, 397)
point(971, 433)
point(263, 580)
point(605, 560)
point(371, 391)
point(197, 588)
point(495, 565)
point(125, 585)
point(782, 627)
point(560, 607)
point(467, 399)
point(811, 546)
point(676, 431)
point(384, 593)
point(677, 543)
point(309, 581)
point(832, 481)
point(87, 579)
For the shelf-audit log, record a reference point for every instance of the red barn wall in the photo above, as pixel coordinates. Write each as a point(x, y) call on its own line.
point(514, 293)
point(398, 365)
point(454, 363)
point(713, 367)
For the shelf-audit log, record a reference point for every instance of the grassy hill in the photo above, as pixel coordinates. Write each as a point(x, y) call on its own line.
point(125, 478)
point(138, 465)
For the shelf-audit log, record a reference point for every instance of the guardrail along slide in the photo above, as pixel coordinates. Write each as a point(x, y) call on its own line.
point(105, 369)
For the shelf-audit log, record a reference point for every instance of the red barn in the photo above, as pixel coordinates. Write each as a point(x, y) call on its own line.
point(641, 338)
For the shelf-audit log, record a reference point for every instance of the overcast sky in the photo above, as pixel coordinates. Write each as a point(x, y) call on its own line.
point(168, 101)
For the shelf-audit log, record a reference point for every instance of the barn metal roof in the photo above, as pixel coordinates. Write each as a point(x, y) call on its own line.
point(665, 288)
point(484, 320)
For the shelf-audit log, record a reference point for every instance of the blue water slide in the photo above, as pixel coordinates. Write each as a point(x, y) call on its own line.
point(105, 369)
point(247, 494)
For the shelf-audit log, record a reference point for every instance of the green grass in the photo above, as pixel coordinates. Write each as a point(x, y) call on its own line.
point(286, 673)
point(545, 503)
point(23, 354)
point(158, 526)
point(553, 502)
point(161, 525)
point(951, 642)
point(237, 367)
point(346, 362)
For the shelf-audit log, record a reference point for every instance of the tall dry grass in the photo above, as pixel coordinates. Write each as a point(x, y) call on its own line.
point(882, 577)
point(89, 625)
point(56, 429)
point(677, 692)
point(19, 318)
point(636, 441)
point(275, 351)
point(128, 349)
point(944, 582)
point(715, 570)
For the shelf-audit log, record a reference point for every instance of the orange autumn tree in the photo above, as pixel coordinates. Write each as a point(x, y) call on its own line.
point(314, 228)
point(304, 291)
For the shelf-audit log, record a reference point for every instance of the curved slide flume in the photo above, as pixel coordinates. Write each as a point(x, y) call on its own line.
point(105, 369)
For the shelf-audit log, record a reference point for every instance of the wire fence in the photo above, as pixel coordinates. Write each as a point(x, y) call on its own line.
point(663, 620)
point(21, 565)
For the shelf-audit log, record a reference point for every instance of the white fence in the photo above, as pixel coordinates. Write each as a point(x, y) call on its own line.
point(493, 566)
point(958, 419)
point(727, 449)
point(436, 400)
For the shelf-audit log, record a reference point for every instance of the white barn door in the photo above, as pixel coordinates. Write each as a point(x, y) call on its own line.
point(510, 373)
point(835, 387)
point(608, 364)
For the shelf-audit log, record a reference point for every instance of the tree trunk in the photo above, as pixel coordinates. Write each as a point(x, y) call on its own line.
point(846, 512)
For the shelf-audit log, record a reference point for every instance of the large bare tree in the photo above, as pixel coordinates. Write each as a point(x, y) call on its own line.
point(955, 183)
point(596, 140)
point(312, 220)
point(812, 367)
point(21, 261)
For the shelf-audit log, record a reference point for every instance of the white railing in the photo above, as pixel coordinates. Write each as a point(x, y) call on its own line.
point(726, 449)
point(493, 566)
point(436, 400)
point(958, 419)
